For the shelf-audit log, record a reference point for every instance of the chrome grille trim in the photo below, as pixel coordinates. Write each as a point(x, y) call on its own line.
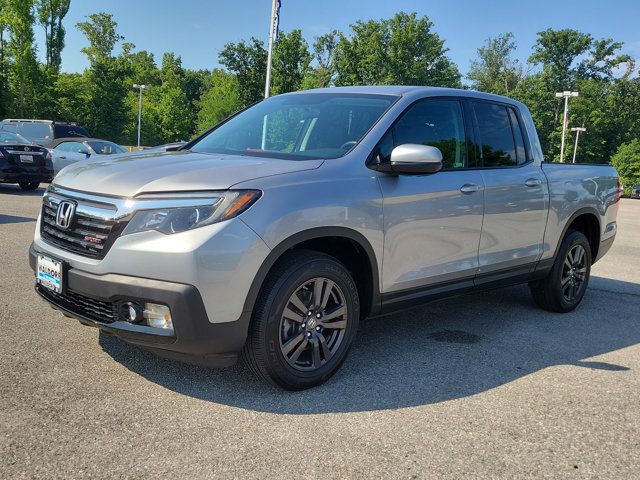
point(93, 230)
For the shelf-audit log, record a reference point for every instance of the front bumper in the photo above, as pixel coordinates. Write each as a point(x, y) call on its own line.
point(195, 339)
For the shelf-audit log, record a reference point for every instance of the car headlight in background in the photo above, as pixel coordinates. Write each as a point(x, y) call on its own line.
point(212, 209)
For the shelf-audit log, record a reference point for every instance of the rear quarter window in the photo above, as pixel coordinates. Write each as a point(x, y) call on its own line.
point(63, 131)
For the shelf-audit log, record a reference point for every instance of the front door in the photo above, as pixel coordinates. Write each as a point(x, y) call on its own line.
point(432, 222)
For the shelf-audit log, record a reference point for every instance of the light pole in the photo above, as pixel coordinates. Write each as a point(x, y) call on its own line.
point(141, 88)
point(273, 36)
point(565, 118)
point(575, 149)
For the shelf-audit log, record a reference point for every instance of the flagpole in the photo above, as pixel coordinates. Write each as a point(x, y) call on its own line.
point(267, 86)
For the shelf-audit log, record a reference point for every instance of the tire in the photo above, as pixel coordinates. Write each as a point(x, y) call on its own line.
point(564, 287)
point(29, 186)
point(294, 349)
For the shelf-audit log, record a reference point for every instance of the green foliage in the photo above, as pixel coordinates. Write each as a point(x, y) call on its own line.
point(248, 61)
point(50, 15)
point(23, 71)
point(556, 51)
point(100, 30)
point(403, 50)
point(398, 51)
point(291, 59)
point(73, 97)
point(324, 72)
point(220, 99)
point(5, 95)
point(627, 162)
point(495, 70)
point(106, 115)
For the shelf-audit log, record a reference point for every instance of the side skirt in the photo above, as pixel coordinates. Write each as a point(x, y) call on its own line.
point(395, 301)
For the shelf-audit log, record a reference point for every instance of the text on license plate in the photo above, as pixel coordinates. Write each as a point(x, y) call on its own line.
point(49, 273)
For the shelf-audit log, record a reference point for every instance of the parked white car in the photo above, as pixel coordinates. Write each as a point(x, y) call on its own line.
point(70, 150)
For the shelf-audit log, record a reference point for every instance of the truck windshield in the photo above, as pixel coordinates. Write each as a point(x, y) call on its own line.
point(300, 126)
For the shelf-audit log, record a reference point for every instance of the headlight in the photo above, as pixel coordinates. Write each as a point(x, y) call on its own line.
point(200, 212)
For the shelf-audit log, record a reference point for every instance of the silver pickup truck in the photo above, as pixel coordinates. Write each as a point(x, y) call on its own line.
point(273, 234)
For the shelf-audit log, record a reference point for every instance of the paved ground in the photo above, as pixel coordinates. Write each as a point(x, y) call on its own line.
point(479, 386)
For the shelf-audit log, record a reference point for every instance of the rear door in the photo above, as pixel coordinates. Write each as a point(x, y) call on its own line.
point(515, 196)
point(432, 222)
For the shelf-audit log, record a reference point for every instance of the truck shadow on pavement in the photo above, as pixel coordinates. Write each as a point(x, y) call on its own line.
point(442, 351)
point(6, 219)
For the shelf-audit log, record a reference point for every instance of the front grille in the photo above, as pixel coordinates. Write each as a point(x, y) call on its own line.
point(88, 235)
point(87, 307)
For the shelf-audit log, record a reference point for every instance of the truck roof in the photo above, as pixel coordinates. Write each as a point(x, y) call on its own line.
point(401, 90)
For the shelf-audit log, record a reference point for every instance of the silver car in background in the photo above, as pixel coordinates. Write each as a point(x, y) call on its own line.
point(70, 150)
point(274, 234)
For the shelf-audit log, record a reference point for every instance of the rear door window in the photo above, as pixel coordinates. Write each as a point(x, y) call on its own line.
point(62, 131)
point(497, 141)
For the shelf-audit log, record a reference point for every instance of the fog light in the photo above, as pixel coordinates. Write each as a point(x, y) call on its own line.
point(158, 316)
point(132, 312)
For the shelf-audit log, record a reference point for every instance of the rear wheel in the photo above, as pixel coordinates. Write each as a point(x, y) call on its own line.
point(304, 321)
point(29, 186)
point(567, 282)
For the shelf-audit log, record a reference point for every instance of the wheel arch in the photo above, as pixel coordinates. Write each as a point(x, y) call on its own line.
point(587, 221)
point(331, 240)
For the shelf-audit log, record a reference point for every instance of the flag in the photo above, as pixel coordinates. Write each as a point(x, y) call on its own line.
point(275, 28)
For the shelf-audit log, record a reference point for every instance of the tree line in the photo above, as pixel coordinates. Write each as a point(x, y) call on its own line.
point(402, 50)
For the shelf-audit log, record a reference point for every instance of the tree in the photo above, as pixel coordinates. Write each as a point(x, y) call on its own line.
point(219, 100)
point(106, 116)
point(291, 59)
point(100, 30)
point(402, 50)
point(50, 15)
point(248, 61)
point(495, 70)
point(557, 51)
point(175, 117)
point(72, 102)
point(21, 48)
point(627, 162)
point(5, 97)
point(322, 75)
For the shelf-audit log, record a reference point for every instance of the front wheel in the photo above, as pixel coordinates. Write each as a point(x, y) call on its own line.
point(304, 321)
point(567, 282)
point(29, 186)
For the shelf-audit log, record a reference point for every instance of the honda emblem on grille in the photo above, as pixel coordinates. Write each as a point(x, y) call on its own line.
point(64, 215)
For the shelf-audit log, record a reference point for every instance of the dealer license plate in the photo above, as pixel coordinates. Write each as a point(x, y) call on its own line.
point(50, 273)
point(26, 158)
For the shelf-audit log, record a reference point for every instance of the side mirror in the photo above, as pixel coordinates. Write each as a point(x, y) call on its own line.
point(86, 152)
point(415, 159)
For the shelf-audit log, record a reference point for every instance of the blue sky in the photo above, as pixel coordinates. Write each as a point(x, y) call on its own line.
point(197, 30)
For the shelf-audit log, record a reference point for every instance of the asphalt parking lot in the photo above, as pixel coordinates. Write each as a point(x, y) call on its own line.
point(478, 386)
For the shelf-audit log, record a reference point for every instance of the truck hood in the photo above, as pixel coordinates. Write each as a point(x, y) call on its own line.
point(130, 175)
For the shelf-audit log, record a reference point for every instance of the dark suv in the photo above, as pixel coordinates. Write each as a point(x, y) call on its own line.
point(43, 132)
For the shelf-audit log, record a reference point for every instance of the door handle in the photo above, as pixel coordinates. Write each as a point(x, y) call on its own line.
point(470, 188)
point(533, 182)
point(62, 158)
